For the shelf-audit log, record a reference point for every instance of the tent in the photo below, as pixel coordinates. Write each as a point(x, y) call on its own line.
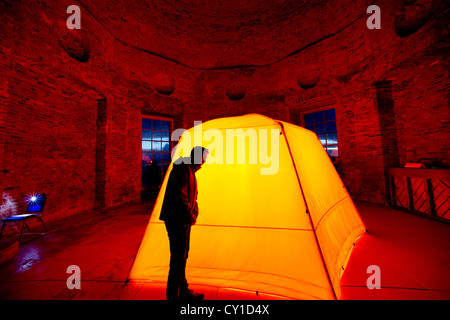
point(275, 217)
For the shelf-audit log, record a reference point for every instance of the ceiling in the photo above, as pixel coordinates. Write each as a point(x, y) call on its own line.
point(207, 34)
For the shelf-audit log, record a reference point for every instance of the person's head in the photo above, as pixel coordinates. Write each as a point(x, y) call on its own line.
point(198, 157)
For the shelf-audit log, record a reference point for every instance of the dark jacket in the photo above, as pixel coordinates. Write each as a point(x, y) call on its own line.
point(180, 200)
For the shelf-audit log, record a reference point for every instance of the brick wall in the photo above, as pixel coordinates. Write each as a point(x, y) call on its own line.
point(49, 142)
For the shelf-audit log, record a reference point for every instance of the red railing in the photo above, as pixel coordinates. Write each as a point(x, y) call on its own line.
point(424, 191)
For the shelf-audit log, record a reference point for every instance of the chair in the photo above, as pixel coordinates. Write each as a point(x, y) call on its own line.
point(34, 210)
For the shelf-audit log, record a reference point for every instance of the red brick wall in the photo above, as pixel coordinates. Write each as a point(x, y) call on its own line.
point(421, 95)
point(49, 141)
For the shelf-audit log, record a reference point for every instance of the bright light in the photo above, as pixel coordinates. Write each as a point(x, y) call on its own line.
point(33, 198)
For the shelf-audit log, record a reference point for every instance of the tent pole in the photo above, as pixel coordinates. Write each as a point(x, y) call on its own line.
point(307, 209)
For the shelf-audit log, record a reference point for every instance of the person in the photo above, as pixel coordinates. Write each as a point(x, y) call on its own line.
point(179, 212)
point(337, 164)
point(154, 178)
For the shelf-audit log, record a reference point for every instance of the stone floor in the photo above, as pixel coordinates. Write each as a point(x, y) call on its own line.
point(411, 251)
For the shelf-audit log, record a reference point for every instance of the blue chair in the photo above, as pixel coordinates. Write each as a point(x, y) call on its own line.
point(34, 210)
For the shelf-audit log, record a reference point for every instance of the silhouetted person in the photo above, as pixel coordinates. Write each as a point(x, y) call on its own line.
point(154, 177)
point(179, 212)
point(337, 164)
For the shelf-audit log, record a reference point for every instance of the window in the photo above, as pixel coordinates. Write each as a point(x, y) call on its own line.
point(156, 149)
point(323, 123)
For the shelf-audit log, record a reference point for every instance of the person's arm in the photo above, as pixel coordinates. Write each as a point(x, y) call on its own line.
point(185, 208)
point(194, 214)
point(184, 192)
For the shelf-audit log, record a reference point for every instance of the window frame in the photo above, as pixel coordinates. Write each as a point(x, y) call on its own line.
point(301, 121)
point(171, 144)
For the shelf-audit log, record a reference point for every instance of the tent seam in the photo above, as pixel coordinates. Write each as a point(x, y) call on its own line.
point(243, 227)
point(309, 214)
point(326, 212)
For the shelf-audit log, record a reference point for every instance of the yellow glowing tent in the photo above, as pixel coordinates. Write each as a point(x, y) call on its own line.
point(274, 217)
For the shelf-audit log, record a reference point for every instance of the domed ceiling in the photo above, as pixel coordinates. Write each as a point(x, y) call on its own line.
point(207, 34)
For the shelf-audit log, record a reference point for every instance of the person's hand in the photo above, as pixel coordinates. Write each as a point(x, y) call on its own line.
point(193, 219)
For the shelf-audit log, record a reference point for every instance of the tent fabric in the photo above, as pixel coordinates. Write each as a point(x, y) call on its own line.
point(287, 234)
